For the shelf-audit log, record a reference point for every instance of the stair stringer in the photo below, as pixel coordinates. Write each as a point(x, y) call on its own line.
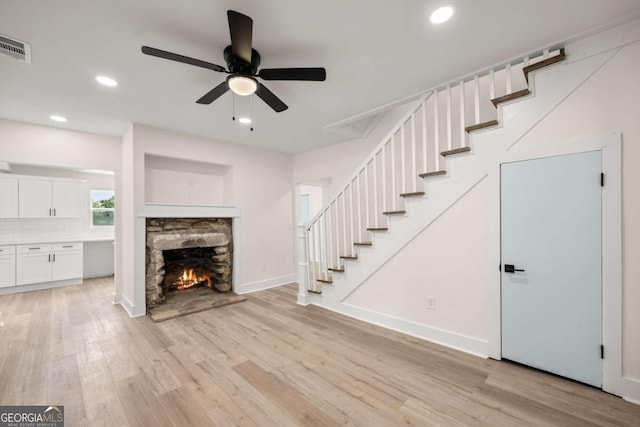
point(549, 88)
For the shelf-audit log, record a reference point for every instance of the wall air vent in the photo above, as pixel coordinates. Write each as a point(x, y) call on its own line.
point(15, 49)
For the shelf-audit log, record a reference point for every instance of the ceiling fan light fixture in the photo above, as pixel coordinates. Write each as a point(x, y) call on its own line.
point(242, 85)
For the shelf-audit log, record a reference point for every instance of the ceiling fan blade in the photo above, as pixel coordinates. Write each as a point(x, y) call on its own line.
point(311, 74)
point(241, 30)
point(180, 58)
point(272, 101)
point(214, 93)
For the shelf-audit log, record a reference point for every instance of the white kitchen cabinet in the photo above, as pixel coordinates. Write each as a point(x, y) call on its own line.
point(7, 266)
point(8, 197)
point(48, 263)
point(70, 199)
point(66, 261)
point(33, 264)
point(49, 198)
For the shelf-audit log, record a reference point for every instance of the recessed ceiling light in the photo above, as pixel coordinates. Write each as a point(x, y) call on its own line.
point(107, 81)
point(441, 15)
point(57, 118)
point(244, 120)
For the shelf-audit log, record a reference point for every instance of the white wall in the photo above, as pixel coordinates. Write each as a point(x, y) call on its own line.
point(184, 182)
point(49, 146)
point(260, 186)
point(98, 259)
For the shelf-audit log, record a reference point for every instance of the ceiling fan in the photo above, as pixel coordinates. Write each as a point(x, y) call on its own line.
point(242, 66)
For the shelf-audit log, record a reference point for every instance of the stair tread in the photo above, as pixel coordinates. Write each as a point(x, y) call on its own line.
point(542, 64)
point(349, 256)
point(377, 229)
point(363, 244)
point(336, 270)
point(414, 194)
point(455, 151)
point(394, 213)
point(430, 174)
point(481, 125)
point(511, 96)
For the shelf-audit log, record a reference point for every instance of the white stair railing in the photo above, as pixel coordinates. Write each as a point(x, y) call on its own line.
point(436, 123)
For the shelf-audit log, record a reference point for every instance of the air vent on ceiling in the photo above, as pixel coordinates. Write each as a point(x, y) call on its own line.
point(15, 49)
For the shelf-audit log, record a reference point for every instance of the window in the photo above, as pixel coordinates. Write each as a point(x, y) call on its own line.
point(102, 207)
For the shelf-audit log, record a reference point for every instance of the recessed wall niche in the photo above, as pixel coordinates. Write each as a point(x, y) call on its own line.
point(174, 181)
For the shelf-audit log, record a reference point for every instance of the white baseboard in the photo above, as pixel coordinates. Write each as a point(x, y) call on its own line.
point(303, 299)
point(132, 310)
point(630, 390)
point(260, 285)
point(117, 299)
point(39, 286)
point(449, 339)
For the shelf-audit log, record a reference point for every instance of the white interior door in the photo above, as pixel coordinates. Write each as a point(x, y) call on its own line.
point(551, 229)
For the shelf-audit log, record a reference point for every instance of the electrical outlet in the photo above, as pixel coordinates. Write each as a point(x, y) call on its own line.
point(431, 303)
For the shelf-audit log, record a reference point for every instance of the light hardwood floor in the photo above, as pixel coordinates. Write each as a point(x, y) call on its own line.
point(264, 362)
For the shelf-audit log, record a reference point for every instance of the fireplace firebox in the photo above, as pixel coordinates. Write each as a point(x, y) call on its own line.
point(184, 254)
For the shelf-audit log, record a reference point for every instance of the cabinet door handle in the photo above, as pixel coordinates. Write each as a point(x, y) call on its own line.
point(54, 257)
point(49, 257)
point(34, 249)
point(49, 211)
point(68, 246)
point(54, 211)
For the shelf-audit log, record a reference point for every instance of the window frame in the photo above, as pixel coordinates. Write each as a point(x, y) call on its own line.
point(92, 209)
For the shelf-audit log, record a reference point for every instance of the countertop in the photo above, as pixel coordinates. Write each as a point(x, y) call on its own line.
point(31, 240)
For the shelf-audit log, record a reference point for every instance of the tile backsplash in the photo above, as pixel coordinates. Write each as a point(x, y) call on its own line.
point(17, 231)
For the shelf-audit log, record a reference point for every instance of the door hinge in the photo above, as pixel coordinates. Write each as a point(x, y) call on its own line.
point(601, 352)
point(602, 180)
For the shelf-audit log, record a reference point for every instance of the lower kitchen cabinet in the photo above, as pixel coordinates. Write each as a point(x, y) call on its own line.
point(48, 263)
point(7, 266)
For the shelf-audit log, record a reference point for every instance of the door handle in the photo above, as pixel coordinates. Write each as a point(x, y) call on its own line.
point(510, 268)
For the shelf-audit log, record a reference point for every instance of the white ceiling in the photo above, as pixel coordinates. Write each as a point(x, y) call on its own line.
point(375, 52)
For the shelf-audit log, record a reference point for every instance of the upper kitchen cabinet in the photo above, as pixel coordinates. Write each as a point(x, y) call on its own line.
point(8, 197)
point(51, 198)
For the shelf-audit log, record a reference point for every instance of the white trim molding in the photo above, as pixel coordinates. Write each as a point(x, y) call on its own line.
point(610, 145)
point(131, 309)
point(274, 282)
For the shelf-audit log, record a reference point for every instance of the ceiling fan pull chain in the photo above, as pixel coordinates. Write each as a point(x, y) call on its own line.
point(234, 107)
point(251, 112)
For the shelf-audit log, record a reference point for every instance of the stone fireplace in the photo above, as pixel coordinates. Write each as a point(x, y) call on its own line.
point(187, 254)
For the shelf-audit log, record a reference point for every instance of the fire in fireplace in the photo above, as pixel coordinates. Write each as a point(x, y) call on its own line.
point(190, 279)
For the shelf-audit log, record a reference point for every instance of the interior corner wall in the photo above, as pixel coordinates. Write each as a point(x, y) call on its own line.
point(261, 189)
point(124, 219)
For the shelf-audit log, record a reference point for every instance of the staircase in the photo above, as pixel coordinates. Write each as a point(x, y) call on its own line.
point(418, 149)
